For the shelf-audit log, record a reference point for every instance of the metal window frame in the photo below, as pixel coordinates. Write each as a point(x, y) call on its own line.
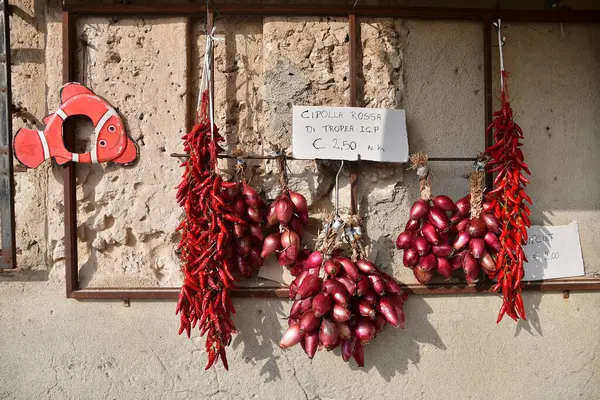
point(73, 10)
point(8, 257)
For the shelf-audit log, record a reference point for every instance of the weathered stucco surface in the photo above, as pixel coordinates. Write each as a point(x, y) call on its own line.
point(58, 348)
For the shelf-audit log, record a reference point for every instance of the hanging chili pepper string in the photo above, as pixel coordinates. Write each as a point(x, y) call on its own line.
point(506, 159)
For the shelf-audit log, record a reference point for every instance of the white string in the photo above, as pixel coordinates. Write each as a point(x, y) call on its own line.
point(206, 82)
point(499, 30)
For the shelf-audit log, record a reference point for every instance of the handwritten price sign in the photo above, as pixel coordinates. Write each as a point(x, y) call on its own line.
point(349, 133)
point(553, 252)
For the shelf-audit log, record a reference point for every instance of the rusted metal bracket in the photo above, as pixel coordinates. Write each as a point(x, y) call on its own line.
point(7, 187)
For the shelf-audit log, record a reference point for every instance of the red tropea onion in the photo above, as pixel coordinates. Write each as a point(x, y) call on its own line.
point(462, 241)
point(410, 258)
point(457, 260)
point(359, 354)
point(300, 206)
point(377, 284)
point(412, 225)
point(254, 215)
point(428, 262)
point(366, 309)
point(256, 233)
point(297, 226)
point(444, 267)
point(366, 267)
point(328, 334)
point(243, 246)
point(387, 308)
point(477, 227)
point(250, 196)
point(311, 344)
point(309, 322)
point(271, 216)
point(404, 240)
point(379, 323)
point(349, 268)
point(492, 241)
point(314, 259)
point(462, 225)
point(340, 314)
point(239, 230)
point(477, 247)
point(332, 267)
point(487, 262)
point(445, 203)
point(430, 233)
point(439, 219)
point(284, 209)
point(421, 245)
point(344, 330)
point(419, 209)
point(464, 206)
point(309, 287)
point(321, 304)
point(290, 239)
point(301, 306)
point(348, 283)
point(291, 337)
point(340, 297)
point(422, 275)
point(364, 331)
point(471, 268)
point(370, 297)
point(347, 349)
point(255, 257)
point(491, 222)
point(362, 287)
point(332, 285)
point(442, 250)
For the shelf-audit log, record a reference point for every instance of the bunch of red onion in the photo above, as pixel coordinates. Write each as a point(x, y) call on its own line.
point(290, 213)
point(348, 307)
point(428, 237)
point(477, 241)
point(250, 207)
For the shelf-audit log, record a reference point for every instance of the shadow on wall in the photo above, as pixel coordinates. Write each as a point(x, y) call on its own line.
point(260, 334)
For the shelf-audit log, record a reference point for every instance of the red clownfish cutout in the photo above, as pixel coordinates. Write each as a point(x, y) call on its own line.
point(112, 143)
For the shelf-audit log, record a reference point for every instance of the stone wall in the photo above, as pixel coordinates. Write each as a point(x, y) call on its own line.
point(127, 216)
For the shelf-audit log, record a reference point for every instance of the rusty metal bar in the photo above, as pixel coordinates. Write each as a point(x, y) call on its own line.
point(198, 9)
point(439, 288)
point(248, 157)
point(353, 32)
point(70, 170)
point(187, 9)
point(8, 257)
point(487, 88)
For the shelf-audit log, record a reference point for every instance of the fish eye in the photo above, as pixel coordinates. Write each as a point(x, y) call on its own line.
point(112, 128)
point(102, 143)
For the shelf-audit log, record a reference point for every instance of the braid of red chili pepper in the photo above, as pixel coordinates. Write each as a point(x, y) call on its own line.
point(204, 300)
point(510, 210)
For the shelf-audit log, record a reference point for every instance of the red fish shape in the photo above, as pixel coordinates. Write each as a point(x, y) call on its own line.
point(32, 147)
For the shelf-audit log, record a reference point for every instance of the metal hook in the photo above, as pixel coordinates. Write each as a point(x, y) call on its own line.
point(337, 190)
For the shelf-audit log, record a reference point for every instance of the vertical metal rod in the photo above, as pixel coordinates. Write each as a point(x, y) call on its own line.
point(7, 184)
point(353, 33)
point(70, 171)
point(487, 87)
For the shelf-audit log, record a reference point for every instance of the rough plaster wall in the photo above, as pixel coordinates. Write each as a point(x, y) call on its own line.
point(554, 88)
point(56, 350)
point(27, 51)
point(102, 350)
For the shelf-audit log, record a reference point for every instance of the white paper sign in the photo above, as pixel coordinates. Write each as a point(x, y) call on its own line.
point(349, 133)
point(553, 252)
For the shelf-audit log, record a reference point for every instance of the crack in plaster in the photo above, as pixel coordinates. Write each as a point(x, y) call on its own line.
point(294, 374)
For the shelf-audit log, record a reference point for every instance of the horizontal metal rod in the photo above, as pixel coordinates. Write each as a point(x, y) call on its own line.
point(439, 288)
point(292, 158)
point(198, 9)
